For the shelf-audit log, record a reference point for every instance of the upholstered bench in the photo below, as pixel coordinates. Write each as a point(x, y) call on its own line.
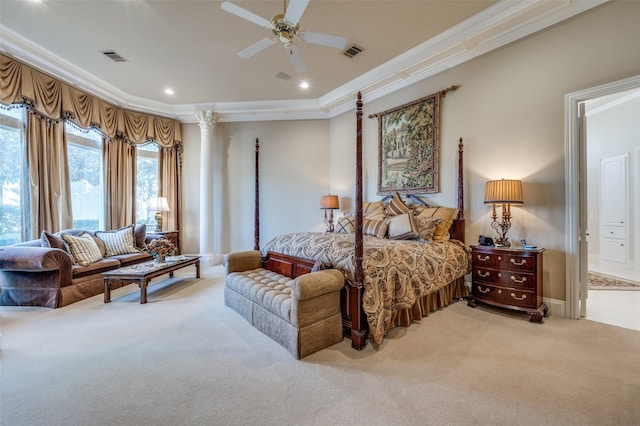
point(301, 314)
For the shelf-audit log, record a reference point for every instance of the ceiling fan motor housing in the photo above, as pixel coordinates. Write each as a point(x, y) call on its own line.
point(283, 29)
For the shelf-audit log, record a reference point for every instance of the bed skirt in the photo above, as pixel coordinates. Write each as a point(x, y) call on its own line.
point(427, 304)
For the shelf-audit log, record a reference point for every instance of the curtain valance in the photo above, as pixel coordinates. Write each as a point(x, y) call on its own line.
point(20, 83)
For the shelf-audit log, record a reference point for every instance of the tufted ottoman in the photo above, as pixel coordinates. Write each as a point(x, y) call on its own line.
point(301, 314)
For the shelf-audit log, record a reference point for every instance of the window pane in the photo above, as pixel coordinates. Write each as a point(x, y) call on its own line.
point(11, 169)
point(85, 173)
point(146, 181)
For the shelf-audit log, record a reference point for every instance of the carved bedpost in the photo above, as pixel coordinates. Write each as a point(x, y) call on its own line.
point(358, 254)
point(256, 229)
point(460, 228)
point(354, 291)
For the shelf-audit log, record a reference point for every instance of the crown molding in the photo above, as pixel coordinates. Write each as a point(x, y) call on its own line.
point(496, 26)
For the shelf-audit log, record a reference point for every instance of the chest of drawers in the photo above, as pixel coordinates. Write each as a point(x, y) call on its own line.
point(508, 278)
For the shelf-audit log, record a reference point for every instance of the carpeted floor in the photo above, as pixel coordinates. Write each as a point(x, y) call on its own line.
point(598, 281)
point(186, 359)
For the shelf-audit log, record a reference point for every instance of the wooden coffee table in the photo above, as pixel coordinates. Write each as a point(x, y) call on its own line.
point(142, 273)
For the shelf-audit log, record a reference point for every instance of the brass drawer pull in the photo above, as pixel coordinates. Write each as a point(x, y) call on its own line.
point(520, 281)
point(483, 259)
point(522, 262)
point(484, 274)
point(524, 296)
point(485, 291)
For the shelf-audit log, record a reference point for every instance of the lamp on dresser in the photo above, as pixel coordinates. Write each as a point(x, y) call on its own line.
point(331, 203)
point(158, 205)
point(506, 192)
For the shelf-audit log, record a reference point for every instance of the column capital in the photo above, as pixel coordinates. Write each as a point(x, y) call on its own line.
point(207, 120)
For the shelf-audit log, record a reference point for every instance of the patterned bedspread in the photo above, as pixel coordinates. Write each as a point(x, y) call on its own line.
point(396, 272)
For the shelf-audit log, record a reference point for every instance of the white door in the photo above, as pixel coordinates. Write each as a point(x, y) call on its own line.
point(613, 208)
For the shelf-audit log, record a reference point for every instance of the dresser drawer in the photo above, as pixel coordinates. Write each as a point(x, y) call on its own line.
point(519, 280)
point(511, 262)
point(505, 296)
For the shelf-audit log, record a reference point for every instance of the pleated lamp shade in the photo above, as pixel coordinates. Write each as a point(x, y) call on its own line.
point(503, 191)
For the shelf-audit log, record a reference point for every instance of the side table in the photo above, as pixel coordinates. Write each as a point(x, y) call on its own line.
point(508, 278)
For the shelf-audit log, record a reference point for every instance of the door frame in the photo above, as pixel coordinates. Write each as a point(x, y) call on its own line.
point(575, 234)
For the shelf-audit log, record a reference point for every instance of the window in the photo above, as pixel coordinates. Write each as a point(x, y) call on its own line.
point(84, 150)
point(12, 195)
point(146, 181)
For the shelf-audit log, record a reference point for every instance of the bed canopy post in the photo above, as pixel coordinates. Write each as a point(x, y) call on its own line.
point(459, 230)
point(354, 319)
point(256, 228)
point(358, 254)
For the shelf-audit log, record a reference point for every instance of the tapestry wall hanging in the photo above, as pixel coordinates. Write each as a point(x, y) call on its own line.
point(408, 143)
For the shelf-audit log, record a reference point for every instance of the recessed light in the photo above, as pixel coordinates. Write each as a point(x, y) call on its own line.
point(304, 85)
point(169, 91)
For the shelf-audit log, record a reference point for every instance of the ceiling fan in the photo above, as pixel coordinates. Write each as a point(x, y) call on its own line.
point(285, 29)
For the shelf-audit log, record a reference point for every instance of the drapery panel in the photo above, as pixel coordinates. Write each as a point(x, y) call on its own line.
point(55, 100)
point(170, 169)
point(48, 169)
point(119, 159)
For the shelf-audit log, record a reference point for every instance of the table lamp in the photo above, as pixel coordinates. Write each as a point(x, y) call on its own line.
point(505, 192)
point(158, 205)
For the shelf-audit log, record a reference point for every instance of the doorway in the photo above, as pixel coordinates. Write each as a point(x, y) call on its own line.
point(611, 140)
point(576, 193)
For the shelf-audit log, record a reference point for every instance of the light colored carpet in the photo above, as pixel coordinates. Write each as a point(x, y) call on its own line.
point(186, 359)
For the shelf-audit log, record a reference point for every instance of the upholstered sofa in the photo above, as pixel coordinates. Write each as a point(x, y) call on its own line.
point(54, 272)
point(301, 314)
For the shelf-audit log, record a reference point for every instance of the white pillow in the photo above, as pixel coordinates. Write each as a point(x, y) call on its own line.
point(117, 242)
point(402, 227)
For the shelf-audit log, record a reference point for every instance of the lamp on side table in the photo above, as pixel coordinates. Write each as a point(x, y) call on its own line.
point(158, 205)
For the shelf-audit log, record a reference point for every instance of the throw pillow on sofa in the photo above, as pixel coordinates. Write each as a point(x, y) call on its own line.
point(83, 248)
point(49, 240)
point(121, 241)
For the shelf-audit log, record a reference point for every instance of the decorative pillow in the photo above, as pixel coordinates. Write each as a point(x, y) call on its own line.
point(447, 214)
point(427, 227)
point(377, 228)
point(120, 241)
point(346, 225)
point(47, 239)
point(83, 248)
point(402, 227)
point(140, 233)
point(373, 210)
point(396, 206)
point(101, 246)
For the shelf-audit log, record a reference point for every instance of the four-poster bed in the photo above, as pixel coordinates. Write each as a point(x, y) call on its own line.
point(387, 282)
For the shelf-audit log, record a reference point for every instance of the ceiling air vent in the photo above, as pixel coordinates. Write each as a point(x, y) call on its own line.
point(113, 55)
point(283, 76)
point(352, 51)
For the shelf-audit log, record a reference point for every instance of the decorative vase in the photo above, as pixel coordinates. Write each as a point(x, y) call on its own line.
point(160, 258)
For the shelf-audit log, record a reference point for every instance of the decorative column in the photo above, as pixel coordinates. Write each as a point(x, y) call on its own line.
point(210, 176)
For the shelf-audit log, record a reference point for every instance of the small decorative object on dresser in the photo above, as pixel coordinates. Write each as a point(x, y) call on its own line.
point(508, 278)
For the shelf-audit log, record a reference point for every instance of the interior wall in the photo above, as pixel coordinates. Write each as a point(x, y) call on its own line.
point(509, 110)
point(612, 132)
point(294, 174)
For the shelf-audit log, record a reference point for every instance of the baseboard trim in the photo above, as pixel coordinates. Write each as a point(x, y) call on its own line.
point(556, 307)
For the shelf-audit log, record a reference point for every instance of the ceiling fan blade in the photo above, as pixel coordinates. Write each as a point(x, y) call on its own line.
point(245, 14)
point(256, 47)
point(296, 59)
point(295, 10)
point(329, 40)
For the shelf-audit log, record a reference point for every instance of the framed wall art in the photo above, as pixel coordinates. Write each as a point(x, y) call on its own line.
point(408, 144)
